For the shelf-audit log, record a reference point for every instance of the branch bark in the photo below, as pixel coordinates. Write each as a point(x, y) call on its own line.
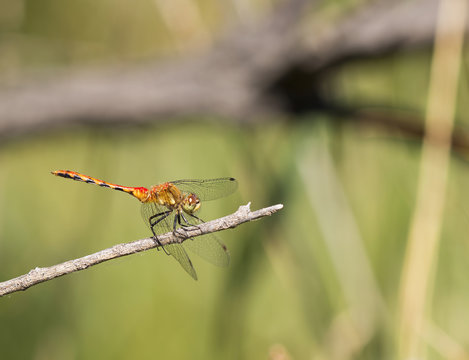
point(39, 275)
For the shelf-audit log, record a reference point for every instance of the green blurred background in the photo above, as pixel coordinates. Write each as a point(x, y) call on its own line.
point(318, 280)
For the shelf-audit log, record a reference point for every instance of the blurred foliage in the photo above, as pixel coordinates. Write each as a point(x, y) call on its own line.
point(284, 293)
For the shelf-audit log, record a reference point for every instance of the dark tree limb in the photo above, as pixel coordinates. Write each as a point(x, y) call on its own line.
point(39, 275)
point(223, 81)
point(244, 75)
point(378, 28)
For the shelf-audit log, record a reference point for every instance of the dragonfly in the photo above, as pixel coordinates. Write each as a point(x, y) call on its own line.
point(173, 206)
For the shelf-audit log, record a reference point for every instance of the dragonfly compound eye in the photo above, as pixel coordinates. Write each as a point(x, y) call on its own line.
point(191, 203)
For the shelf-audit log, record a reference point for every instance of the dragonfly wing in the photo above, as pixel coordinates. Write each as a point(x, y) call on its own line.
point(210, 189)
point(209, 248)
point(149, 210)
point(178, 252)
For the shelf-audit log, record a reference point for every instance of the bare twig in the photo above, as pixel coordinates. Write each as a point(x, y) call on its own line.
point(38, 275)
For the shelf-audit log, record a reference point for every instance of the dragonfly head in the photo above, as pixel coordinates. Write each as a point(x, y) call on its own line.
point(191, 204)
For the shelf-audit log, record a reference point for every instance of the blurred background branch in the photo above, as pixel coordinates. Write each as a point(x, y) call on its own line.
point(273, 66)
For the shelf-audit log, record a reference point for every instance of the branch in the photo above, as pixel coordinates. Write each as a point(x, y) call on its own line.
point(39, 275)
point(233, 79)
point(376, 28)
point(223, 81)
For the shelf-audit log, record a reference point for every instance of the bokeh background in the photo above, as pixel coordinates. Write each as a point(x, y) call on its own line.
point(332, 129)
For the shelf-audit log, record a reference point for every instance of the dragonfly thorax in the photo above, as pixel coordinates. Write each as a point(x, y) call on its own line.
point(171, 197)
point(166, 195)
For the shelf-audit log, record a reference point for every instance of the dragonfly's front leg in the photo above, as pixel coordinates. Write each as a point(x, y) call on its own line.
point(163, 215)
point(195, 217)
point(187, 222)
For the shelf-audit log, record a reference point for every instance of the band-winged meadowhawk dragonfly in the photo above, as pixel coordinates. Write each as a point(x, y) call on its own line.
point(171, 206)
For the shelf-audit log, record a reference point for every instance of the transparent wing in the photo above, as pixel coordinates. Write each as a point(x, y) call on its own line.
point(150, 210)
point(164, 226)
point(178, 252)
point(208, 247)
point(210, 189)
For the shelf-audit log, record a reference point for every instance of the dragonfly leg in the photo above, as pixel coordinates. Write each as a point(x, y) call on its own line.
point(196, 217)
point(183, 226)
point(157, 215)
point(187, 222)
point(177, 220)
point(162, 216)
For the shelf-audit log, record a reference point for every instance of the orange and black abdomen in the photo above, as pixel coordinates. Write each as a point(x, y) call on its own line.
point(140, 193)
point(88, 179)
